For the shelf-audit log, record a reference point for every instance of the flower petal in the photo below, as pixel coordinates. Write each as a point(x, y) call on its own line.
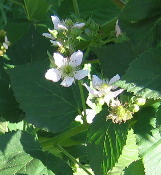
point(5, 45)
point(67, 81)
point(92, 91)
point(56, 43)
point(114, 79)
point(61, 26)
point(78, 25)
point(76, 58)
point(59, 59)
point(48, 35)
point(116, 93)
point(96, 81)
point(55, 21)
point(117, 29)
point(53, 74)
point(80, 74)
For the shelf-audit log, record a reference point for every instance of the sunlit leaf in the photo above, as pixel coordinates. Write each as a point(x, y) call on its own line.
point(21, 154)
point(105, 143)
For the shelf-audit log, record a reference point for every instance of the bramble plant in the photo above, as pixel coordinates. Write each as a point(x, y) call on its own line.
point(80, 87)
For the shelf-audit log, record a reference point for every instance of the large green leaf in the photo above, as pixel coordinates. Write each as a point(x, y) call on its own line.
point(21, 154)
point(141, 21)
point(149, 140)
point(135, 168)
point(100, 11)
point(47, 105)
point(105, 143)
point(9, 108)
point(16, 29)
point(110, 56)
point(31, 47)
point(143, 76)
point(129, 154)
point(37, 9)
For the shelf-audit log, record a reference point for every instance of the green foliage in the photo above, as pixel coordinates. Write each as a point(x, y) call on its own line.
point(38, 131)
point(113, 55)
point(37, 10)
point(100, 11)
point(46, 105)
point(129, 154)
point(142, 25)
point(21, 154)
point(135, 168)
point(148, 138)
point(105, 143)
point(147, 83)
point(33, 46)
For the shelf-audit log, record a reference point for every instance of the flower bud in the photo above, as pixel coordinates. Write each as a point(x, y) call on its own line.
point(134, 108)
point(140, 101)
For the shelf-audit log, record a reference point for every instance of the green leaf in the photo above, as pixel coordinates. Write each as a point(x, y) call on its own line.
point(9, 108)
point(31, 47)
point(143, 75)
point(37, 9)
point(100, 11)
point(129, 154)
point(149, 140)
point(120, 54)
point(16, 29)
point(135, 168)
point(21, 154)
point(150, 151)
point(142, 25)
point(105, 143)
point(47, 105)
point(158, 117)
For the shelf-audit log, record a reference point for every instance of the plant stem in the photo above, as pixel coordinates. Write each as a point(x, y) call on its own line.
point(94, 61)
point(73, 159)
point(76, 9)
point(119, 3)
point(63, 136)
point(83, 101)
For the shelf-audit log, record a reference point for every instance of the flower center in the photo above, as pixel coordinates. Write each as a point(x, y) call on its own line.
point(68, 70)
point(105, 87)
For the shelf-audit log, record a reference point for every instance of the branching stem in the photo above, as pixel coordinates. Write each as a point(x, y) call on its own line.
point(73, 159)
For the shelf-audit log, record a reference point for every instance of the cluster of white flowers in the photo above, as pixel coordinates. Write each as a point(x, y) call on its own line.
point(68, 68)
point(104, 89)
point(60, 25)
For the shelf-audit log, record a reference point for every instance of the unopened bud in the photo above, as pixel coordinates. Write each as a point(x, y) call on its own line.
point(140, 101)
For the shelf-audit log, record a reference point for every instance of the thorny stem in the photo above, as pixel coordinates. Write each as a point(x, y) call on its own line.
point(73, 159)
point(76, 9)
point(119, 3)
point(83, 101)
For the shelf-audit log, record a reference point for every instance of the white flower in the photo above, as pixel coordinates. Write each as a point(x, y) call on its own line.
point(117, 29)
point(90, 114)
point(78, 25)
point(67, 69)
point(56, 43)
point(6, 43)
point(104, 88)
point(58, 25)
point(48, 35)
